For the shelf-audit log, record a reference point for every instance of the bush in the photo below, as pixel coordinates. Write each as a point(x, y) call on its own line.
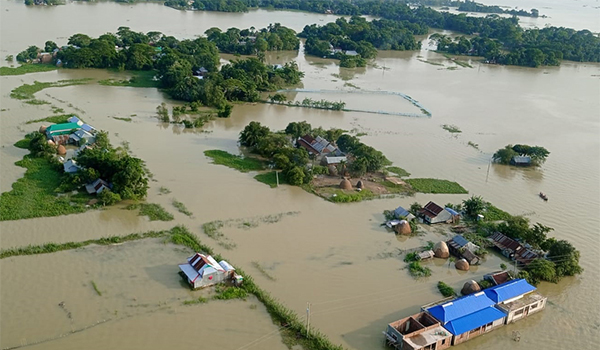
point(108, 197)
point(411, 257)
point(445, 289)
point(416, 270)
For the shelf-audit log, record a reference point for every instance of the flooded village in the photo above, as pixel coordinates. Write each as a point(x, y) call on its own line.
point(238, 253)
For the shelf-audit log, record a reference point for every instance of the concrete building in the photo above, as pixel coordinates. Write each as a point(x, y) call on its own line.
point(417, 332)
point(517, 298)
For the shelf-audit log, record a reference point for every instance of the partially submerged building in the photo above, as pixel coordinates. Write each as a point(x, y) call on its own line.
point(517, 298)
point(70, 166)
point(520, 161)
point(462, 248)
point(468, 317)
point(401, 213)
point(513, 249)
point(417, 332)
point(497, 278)
point(434, 214)
point(203, 271)
point(97, 186)
point(318, 146)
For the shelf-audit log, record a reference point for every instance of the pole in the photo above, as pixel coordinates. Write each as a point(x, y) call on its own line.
point(307, 319)
point(515, 271)
point(277, 176)
point(488, 171)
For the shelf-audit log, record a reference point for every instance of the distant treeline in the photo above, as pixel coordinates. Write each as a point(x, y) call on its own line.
point(253, 42)
point(187, 69)
point(472, 6)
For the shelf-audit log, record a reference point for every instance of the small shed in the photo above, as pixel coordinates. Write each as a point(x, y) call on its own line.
point(520, 161)
point(428, 254)
point(70, 166)
point(434, 214)
point(400, 213)
point(97, 186)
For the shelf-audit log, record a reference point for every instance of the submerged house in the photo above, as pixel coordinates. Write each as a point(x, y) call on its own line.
point(462, 248)
point(513, 249)
point(317, 145)
point(74, 119)
point(400, 213)
point(61, 129)
point(417, 332)
point(496, 278)
point(468, 317)
point(97, 186)
point(517, 298)
point(520, 161)
point(203, 271)
point(434, 214)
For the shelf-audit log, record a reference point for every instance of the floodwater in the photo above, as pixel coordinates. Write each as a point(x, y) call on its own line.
point(336, 257)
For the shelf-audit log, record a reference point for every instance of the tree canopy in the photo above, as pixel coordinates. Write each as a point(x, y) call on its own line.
point(504, 155)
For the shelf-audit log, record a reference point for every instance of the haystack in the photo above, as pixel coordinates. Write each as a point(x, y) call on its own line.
point(346, 184)
point(462, 265)
point(43, 129)
point(61, 150)
point(441, 250)
point(51, 142)
point(403, 228)
point(470, 287)
point(332, 170)
point(359, 184)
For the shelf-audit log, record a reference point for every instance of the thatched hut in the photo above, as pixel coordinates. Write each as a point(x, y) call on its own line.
point(346, 184)
point(43, 128)
point(440, 249)
point(462, 265)
point(332, 170)
point(61, 150)
point(470, 287)
point(403, 228)
point(359, 184)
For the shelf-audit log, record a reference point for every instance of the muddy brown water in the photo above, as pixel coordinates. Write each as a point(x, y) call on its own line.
point(334, 256)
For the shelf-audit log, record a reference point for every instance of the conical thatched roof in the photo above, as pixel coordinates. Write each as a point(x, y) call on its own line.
point(403, 228)
point(43, 129)
point(462, 264)
point(470, 287)
point(346, 184)
point(359, 184)
point(61, 150)
point(332, 170)
point(440, 249)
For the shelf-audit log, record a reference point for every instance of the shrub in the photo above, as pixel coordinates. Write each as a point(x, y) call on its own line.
point(445, 289)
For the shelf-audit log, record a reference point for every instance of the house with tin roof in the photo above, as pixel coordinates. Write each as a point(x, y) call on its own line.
point(468, 317)
point(202, 271)
point(61, 129)
point(462, 248)
point(513, 249)
point(517, 298)
point(520, 161)
point(401, 213)
point(434, 214)
point(317, 145)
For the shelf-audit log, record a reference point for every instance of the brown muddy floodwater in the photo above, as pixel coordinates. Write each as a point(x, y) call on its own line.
point(335, 256)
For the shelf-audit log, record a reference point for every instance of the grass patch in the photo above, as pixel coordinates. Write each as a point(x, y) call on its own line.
point(361, 134)
point(27, 68)
point(431, 62)
point(37, 102)
point(96, 288)
point(417, 270)
point(340, 196)
point(445, 289)
point(398, 171)
point(211, 229)
point(493, 213)
point(410, 257)
point(56, 119)
point(140, 79)
point(125, 119)
point(57, 109)
point(155, 212)
point(228, 293)
point(473, 144)
point(181, 208)
point(463, 64)
point(164, 190)
point(236, 162)
point(34, 195)
point(435, 186)
point(351, 85)
point(270, 179)
point(199, 300)
point(24, 144)
point(263, 271)
point(451, 128)
point(26, 91)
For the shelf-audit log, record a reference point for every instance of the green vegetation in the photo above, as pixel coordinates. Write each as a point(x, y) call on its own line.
point(367, 158)
point(270, 178)
point(155, 212)
point(140, 79)
point(230, 292)
point(263, 271)
point(451, 128)
point(309, 103)
point(26, 91)
point(56, 119)
point(435, 186)
point(37, 102)
point(164, 190)
point(199, 300)
point(254, 42)
point(181, 208)
point(398, 171)
point(125, 119)
point(27, 68)
point(417, 270)
point(340, 196)
point(236, 162)
point(445, 289)
point(96, 288)
point(473, 144)
point(504, 155)
point(472, 6)
point(410, 257)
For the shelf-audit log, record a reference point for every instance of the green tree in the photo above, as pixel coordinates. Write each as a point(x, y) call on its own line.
point(163, 113)
point(295, 176)
point(473, 206)
point(541, 270)
point(566, 258)
point(253, 133)
point(50, 46)
point(298, 129)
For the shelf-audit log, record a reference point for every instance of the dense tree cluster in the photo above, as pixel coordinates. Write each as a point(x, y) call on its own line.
point(187, 69)
point(504, 155)
point(365, 158)
point(472, 6)
point(213, 5)
point(252, 42)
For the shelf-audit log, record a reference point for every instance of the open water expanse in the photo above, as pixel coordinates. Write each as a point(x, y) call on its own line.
point(334, 256)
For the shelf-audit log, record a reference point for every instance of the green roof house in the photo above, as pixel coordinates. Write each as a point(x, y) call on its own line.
point(61, 129)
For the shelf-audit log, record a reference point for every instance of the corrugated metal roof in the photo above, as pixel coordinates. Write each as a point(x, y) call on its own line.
point(88, 127)
point(65, 126)
point(509, 290)
point(521, 159)
point(474, 320)
point(401, 212)
point(335, 160)
point(189, 271)
point(460, 307)
point(224, 264)
point(460, 240)
point(452, 211)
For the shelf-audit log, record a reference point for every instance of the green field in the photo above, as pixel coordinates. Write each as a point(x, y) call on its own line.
point(435, 186)
point(26, 68)
point(236, 162)
point(140, 79)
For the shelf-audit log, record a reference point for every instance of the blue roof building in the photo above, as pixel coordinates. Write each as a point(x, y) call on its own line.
point(468, 317)
point(517, 298)
point(509, 290)
point(452, 211)
point(403, 213)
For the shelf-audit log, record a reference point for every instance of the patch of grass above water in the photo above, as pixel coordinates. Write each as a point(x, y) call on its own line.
point(451, 128)
point(155, 212)
point(34, 194)
point(37, 102)
point(230, 292)
point(398, 171)
point(181, 208)
point(125, 119)
point(27, 68)
point(270, 179)
point(140, 79)
point(417, 270)
point(445, 289)
point(435, 186)
point(56, 119)
point(236, 162)
point(199, 300)
point(96, 288)
point(263, 271)
point(26, 91)
point(344, 197)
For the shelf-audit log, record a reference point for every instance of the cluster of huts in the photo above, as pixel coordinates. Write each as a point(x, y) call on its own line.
point(202, 271)
point(452, 321)
point(79, 135)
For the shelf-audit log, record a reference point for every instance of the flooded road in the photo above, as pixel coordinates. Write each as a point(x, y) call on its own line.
point(334, 256)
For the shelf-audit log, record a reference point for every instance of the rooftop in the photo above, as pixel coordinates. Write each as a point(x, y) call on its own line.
point(509, 290)
point(63, 126)
point(428, 337)
point(460, 307)
point(474, 320)
point(522, 302)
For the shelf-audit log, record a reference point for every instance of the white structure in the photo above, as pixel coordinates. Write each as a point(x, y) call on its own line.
point(203, 271)
point(71, 166)
point(74, 119)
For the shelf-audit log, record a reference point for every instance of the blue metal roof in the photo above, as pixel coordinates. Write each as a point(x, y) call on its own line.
point(460, 307)
point(452, 211)
point(474, 320)
point(509, 290)
point(401, 212)
point(460, 240)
